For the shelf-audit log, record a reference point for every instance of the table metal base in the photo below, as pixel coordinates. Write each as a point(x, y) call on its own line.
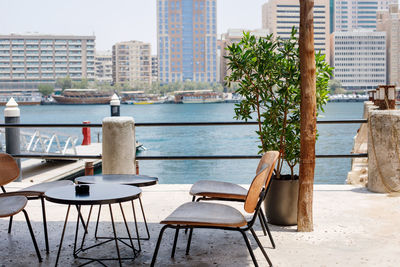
point(115, 238)
point(138, 238)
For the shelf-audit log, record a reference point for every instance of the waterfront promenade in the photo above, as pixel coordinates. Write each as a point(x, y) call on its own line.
point(352, 227)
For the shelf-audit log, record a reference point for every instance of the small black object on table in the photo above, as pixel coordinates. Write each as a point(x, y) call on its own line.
point(95, 194)
point(125, 179)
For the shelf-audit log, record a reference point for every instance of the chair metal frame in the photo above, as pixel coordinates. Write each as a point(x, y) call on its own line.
point(30, 195)
point(248, 227)
point(28, 222)
point(10, 172)
point(261, 215)
point(252, 204)
point(39, 196)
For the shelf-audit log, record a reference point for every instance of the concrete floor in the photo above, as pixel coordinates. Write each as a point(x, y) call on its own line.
point(352, 227)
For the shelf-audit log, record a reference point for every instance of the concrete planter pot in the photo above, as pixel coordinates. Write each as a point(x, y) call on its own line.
point(281, 201)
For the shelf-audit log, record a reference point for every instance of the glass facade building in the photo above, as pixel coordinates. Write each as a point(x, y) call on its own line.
point(360, 14)
point(187, 40)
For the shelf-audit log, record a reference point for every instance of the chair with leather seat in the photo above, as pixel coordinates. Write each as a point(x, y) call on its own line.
point(220, 216)
point(31, 193)
point(225, 191)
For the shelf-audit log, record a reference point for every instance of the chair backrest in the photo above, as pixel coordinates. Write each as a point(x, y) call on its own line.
point(9, 170)
point(262, 179)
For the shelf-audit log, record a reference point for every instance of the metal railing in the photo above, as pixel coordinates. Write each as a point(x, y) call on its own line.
point(37, 141)
point(171, 124)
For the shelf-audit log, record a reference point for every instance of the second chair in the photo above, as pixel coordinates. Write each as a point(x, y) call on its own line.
point(216, 190)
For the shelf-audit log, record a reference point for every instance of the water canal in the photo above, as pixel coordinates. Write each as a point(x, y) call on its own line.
point(207, 140)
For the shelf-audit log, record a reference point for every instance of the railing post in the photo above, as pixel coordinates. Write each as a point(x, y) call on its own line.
point(12, 115)
point(87, 140)
point(115, 106)
point(89, 168)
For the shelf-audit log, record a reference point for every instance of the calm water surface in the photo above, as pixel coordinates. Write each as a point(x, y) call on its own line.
point(208, 140)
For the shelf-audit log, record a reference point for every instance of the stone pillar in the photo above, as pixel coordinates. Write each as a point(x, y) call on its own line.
point(384, 151)
point(115, 105)
point(119, 149)
point(12, 115)
point(359, 166)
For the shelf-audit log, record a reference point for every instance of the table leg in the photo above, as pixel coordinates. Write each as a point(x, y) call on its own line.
point(87, 226)
point(82, 220)
point(127, 230)
point(115, 235)
point(97, 222)
point(62, 235)
point(136, 226)
point(78, 208)
point(145, 222)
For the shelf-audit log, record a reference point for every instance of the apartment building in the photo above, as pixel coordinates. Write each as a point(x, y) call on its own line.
point(359, 59)
point(233, 36)
point(131, 63)
point(359, 14)
point(279, 16)
point(389, 22)
point(103, 66)
point(28, 60)
point(154, 68)
point(187, 40)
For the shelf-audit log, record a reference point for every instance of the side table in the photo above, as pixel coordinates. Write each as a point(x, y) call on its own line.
point(125, 179)
point(99, 194)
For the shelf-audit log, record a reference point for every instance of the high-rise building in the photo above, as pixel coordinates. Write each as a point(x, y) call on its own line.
point(279, 16)
point(103, 67)
point(154, 68)
point(28, 60)
point(187, 40)
point(389, 22)
point(359, 59)
point(131, 63)
point(356, 14)
point(233, 36)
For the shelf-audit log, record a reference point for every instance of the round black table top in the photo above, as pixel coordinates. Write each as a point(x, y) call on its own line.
point(98, 194)
point(126, 179)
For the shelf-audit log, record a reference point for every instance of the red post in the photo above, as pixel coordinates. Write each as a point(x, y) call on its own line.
point(89, 170)
point(86, 135)
point(137, 167)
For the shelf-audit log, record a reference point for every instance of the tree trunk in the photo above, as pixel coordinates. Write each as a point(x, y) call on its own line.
point(307, 117)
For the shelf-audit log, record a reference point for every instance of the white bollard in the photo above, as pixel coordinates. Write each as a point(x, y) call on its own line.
point(12, 115)
point(115, 105)
point(119, 146)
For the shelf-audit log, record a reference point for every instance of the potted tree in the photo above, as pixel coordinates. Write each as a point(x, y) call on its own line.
point(266, 71)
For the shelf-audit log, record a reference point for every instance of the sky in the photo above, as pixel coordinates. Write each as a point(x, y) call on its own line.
point(111, 20)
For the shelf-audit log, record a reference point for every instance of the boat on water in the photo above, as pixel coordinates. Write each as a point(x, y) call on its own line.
point(198, 97)
point(139, 98)
point(22, 98)
point(83, 96)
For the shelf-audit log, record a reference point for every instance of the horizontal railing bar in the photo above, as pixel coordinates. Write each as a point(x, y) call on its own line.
point(342, 121)
point(159, 124)
point(49, 125)
point(66, 157)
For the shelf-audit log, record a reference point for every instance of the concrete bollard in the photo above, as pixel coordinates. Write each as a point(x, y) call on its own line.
point(119, 149)
point(115, 105)
point(12, 115)
point(383, 151)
